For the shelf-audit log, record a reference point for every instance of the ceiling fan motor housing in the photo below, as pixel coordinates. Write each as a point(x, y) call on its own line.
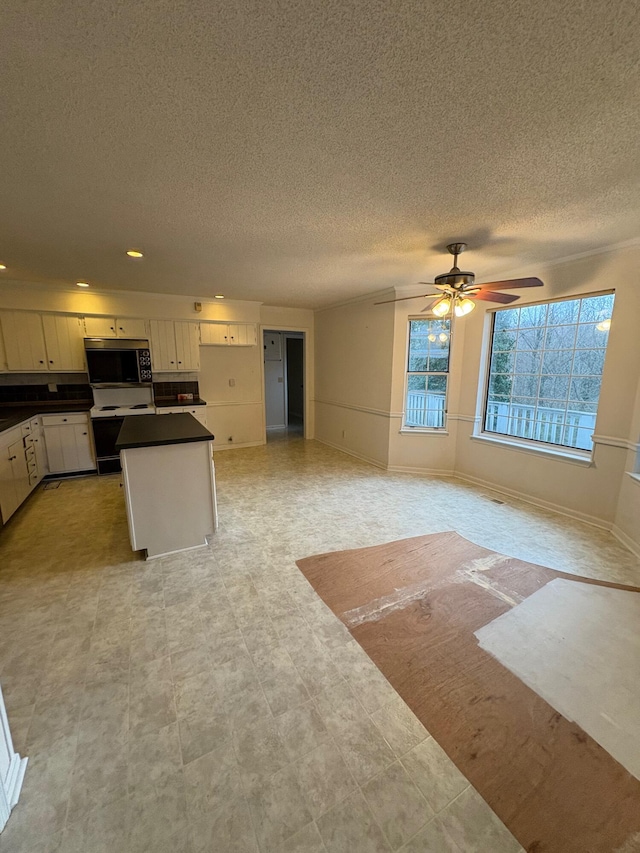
point(456, 279)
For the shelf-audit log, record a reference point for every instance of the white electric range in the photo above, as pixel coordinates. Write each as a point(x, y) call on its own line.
point(111, 407)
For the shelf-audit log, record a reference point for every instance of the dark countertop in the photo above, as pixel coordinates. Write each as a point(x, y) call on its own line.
point(152, 431)
point(172, 402)
point(12, 414)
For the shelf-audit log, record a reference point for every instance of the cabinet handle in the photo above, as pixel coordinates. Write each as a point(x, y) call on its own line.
point(11, 458)
point(171, 362)
point(179, 362)
point(50, 361)
point(64, 419)
point(84, 433)
point(41, 361)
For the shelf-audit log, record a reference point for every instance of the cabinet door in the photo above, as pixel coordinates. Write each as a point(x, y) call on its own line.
point(63, 337)
point(85, 457)
point(243, 334)
point(3, 354)
point(39, 447)
point(20, 469)
point(100, 327)
point(9, 502)
point(163, 345)
point(24, 341)
point(188, 345)
point(131, 328)
point(214, 334)
point(61, 448)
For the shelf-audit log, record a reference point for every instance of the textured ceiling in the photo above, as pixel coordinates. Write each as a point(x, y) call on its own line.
point(301, 153)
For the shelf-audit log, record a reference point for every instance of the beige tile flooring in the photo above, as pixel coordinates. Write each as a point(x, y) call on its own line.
point(209, 701)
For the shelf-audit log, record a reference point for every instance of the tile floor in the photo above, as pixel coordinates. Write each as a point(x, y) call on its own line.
point(210, 701)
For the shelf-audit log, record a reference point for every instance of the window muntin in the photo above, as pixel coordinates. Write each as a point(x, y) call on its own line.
point(546, 368)
point(427, 373)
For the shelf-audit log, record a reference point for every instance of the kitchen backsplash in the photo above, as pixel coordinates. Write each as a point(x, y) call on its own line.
point(165, 390)
point(39, 393)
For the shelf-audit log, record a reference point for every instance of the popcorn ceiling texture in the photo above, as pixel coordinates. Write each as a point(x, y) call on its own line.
point(304, 152)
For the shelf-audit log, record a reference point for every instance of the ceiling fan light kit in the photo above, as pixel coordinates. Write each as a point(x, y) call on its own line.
point(458, 290)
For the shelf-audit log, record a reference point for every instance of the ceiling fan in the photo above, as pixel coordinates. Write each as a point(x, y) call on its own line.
point(458, 289)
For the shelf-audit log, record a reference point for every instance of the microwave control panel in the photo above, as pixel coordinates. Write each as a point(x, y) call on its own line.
point(144, 362)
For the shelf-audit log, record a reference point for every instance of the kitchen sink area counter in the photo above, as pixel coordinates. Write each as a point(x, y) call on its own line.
point(169, 482)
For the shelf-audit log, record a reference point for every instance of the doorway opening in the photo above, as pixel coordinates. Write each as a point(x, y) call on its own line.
point(284, 383)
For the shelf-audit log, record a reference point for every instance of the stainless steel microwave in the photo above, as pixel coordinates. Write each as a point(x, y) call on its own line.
point(116, 361)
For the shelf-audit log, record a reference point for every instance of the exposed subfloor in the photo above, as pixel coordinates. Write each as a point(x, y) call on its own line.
point(209, 701)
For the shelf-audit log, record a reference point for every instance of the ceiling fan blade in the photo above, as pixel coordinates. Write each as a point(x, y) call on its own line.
point(404, 298)
point(490, 296)
point(512, 283)
point(429, 306)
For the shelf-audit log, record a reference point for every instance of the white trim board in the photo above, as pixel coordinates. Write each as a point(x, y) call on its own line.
point(626, 540)
point(359, 456)
point(521, 496)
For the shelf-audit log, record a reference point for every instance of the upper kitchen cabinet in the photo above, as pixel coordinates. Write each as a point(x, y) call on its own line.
point(63, 337)
point(35, 343)
point(24, 341)
point(174, 346)
point(3, 354)
point(228, 334)
point(111, 327)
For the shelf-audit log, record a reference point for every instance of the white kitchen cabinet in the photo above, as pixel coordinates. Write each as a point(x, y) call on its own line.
point(174, 346)
point(40, 450)
point(63, 337)
point(3, 354)
point(115, 327)
point(243, 334)
point(228, 334)
point(14, 471)
point(198, 412)
point(187, 345)
point(12, 768)
point(24, 341)
point(68, 443)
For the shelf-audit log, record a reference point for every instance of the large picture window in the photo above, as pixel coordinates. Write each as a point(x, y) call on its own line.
point(427, 373)
point(546, 368)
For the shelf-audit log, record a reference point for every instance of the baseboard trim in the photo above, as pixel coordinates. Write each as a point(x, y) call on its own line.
point(427, 472)
point(626, 540)
point(232, 446)
point(521, 496)
point(359, 456)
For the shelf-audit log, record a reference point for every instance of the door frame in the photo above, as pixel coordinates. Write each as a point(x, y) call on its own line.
point(306, 362)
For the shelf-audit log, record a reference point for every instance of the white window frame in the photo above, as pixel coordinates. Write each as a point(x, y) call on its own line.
point(426, 430)
point(535, 446)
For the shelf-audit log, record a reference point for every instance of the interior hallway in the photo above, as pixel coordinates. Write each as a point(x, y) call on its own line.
point(209, 701)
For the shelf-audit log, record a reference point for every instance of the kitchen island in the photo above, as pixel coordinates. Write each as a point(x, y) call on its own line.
point(169, 482)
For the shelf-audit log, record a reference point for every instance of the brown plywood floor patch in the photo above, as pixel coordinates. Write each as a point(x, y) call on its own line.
point(414, 605)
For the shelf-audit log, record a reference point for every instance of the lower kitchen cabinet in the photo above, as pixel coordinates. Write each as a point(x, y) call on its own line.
point(17, 463)
point(12, 768)
point(198, 412)
point(68, 443)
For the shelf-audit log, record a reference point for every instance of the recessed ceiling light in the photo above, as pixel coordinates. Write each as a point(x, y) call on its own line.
point(134, 253)
point(219, 296)
point(82, 284)
point(2, 267)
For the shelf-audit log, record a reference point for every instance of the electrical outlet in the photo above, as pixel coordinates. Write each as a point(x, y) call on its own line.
point(232, 383)
point(344, 433)
point(52, 387)
point(230, 438)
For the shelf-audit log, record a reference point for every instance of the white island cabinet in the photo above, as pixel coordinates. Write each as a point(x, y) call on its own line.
point(169, 482)
point(12, 768)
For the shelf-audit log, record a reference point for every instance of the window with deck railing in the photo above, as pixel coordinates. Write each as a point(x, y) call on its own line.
point(427, 373)
point(546, 369)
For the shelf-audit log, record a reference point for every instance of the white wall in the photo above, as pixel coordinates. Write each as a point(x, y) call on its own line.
point(354, 359)
point(232, 412)
point(587, 492)
point(356, 343)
